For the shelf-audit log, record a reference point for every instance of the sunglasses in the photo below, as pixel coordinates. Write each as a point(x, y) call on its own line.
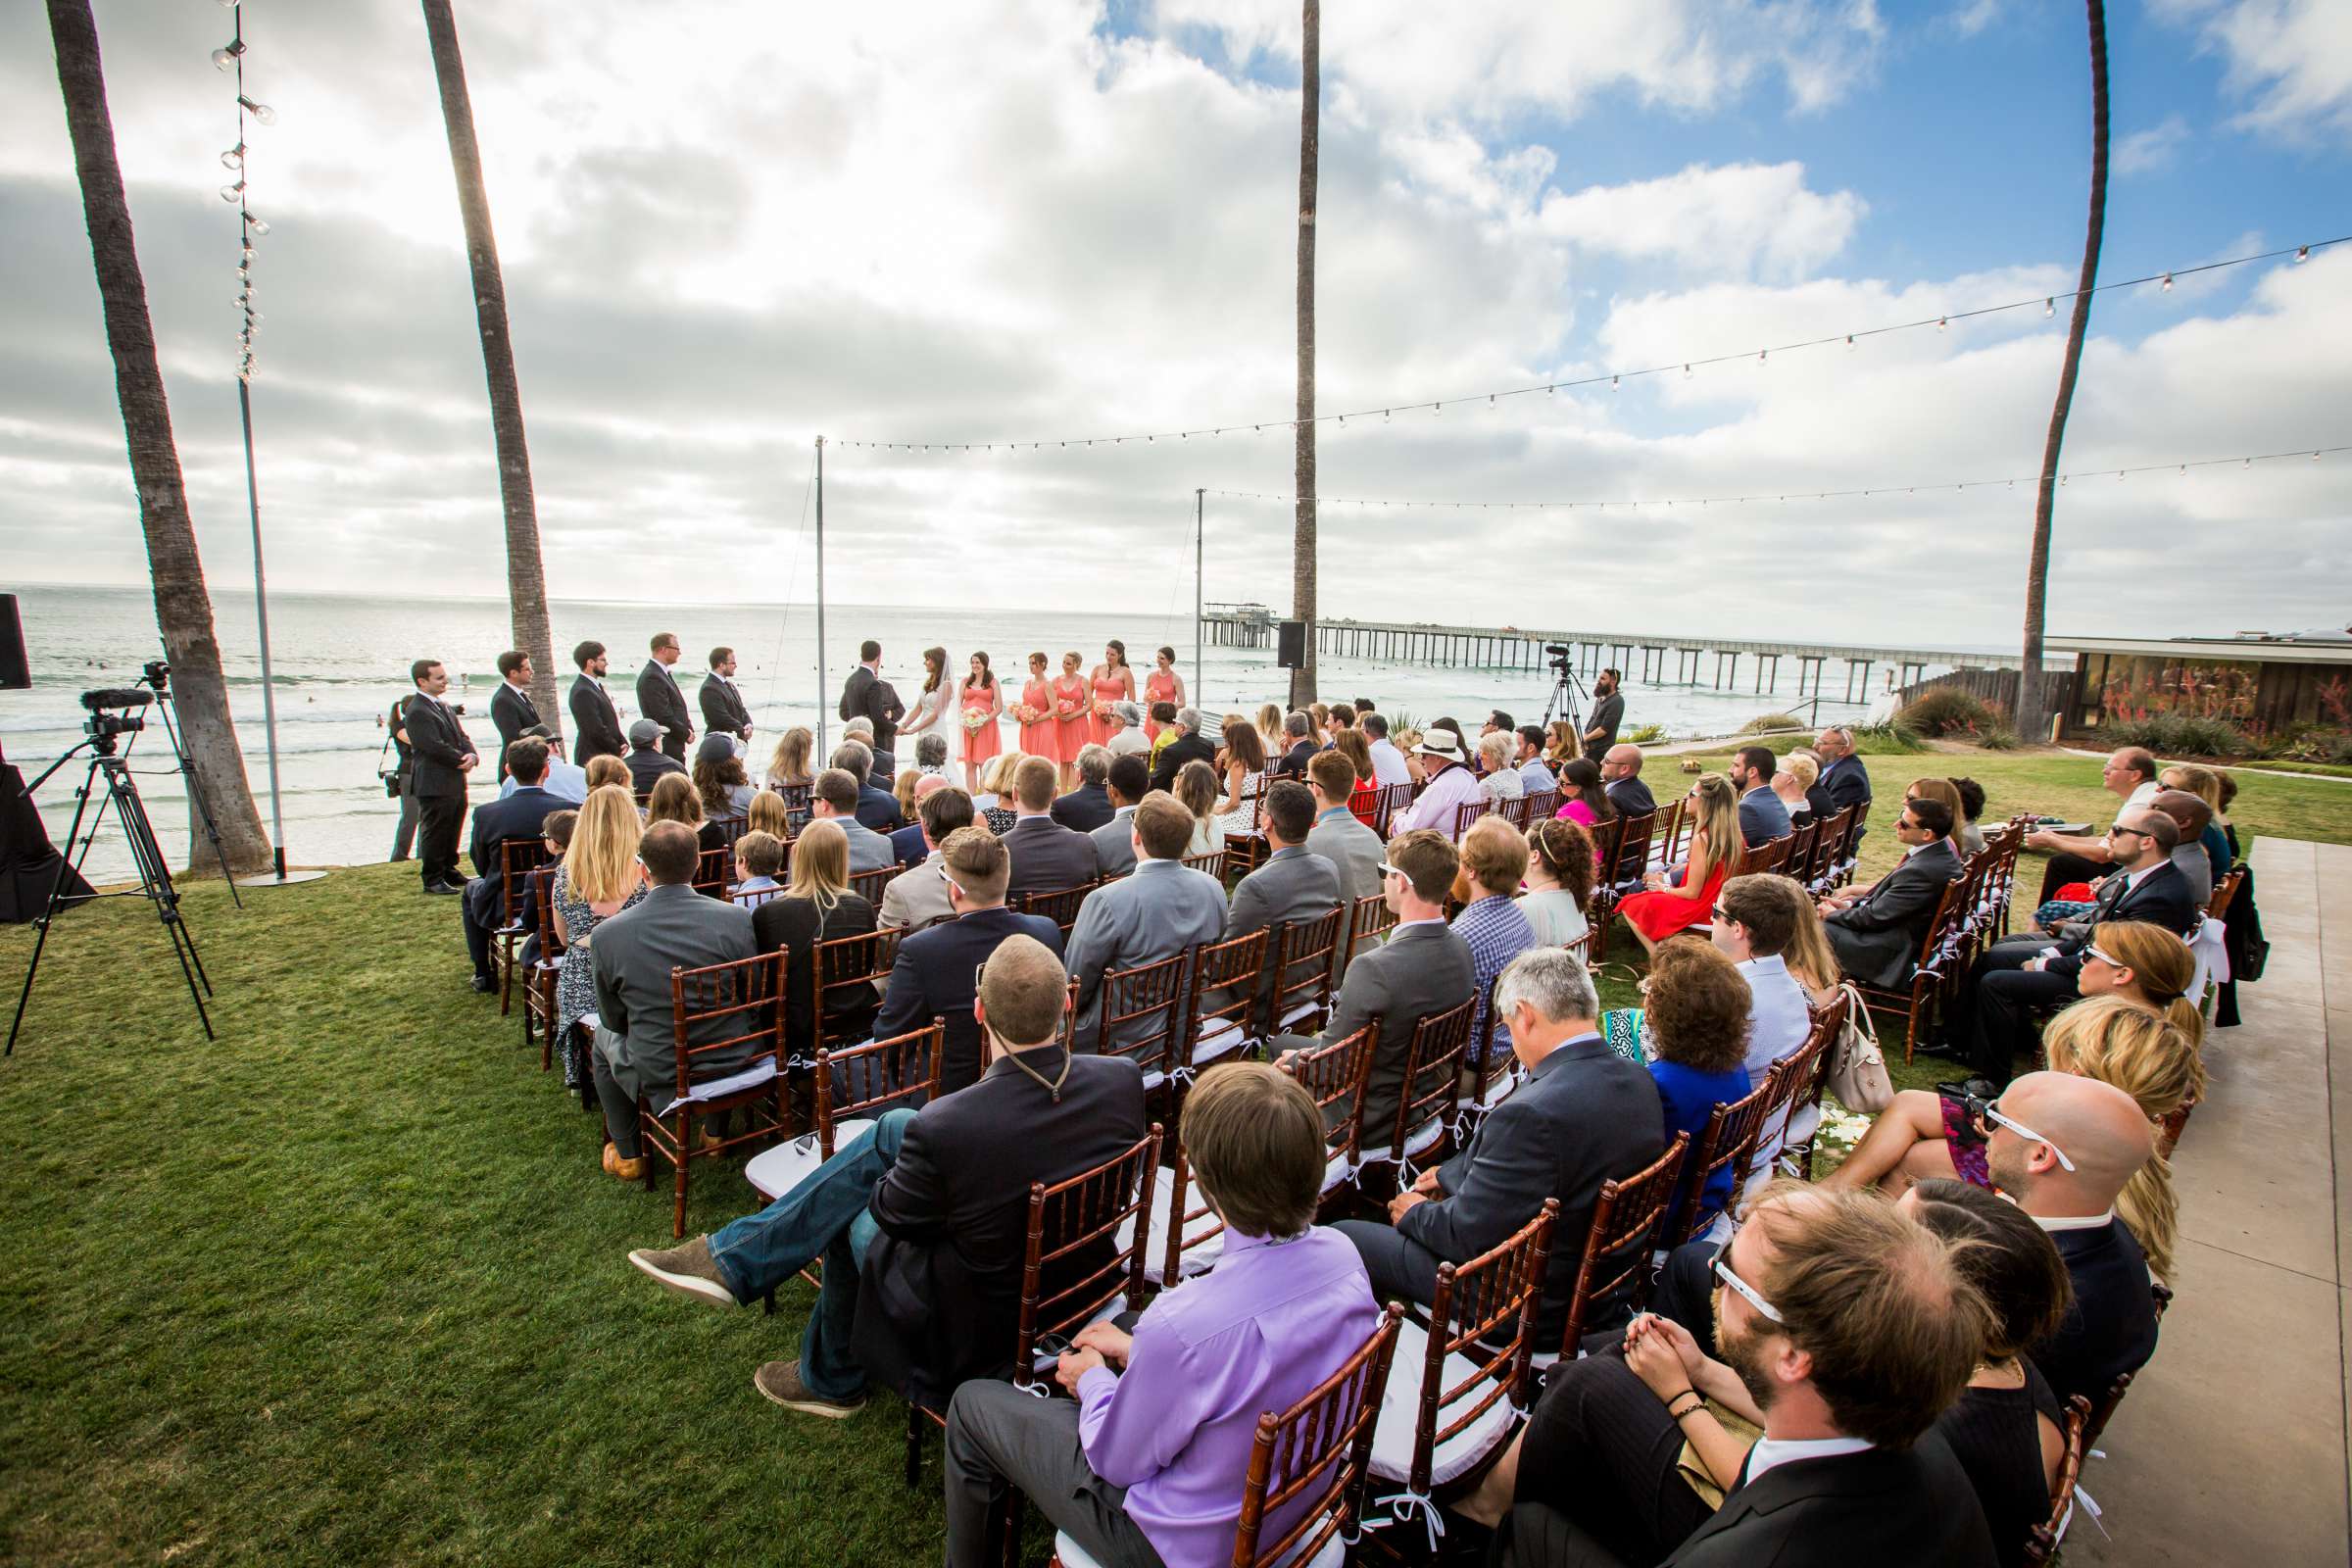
point(2120, 828)
point(1748, 1293)
point(2108, 959)
point(1992, 1113)
point(1388, 870)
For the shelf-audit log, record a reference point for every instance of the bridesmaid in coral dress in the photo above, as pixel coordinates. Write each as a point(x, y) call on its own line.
point(1040, 737)
point(1162, 685)
point(1112, 681)
point(981, 703)
point(1071, 706)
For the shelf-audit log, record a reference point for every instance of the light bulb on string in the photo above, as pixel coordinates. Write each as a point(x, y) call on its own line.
point(261, 112)
point(234, 158)
point(1849, 340)
point(2302, 253)
point(1942, 321)
point(232, 193)
point(255, 225)
point(227, 55)
point(1685, 372)
point(2050, 306)
point(2168, 282)
point(1613, 383)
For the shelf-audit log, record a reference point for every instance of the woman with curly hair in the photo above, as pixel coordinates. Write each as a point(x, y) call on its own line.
point(1559, 882)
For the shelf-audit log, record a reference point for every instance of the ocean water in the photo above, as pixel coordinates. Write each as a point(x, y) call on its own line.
point(339, 661)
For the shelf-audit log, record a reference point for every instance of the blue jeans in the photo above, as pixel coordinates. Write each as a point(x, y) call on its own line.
point(824, 1217)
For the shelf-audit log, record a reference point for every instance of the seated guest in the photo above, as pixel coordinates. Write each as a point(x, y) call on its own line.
point(1145, 1464)
point(1848, 1330)
point(635, 1057)
point(1180, 742)
point(1944, 791)
point(1762, 816)
point(1817, 795)
point(1161, 725)
point(907, 844)
point(1621, 777)
point(1242, 765)
point(1159, 909)
point(931, 756)
point(993, 803)
point(599, 878)
point(1291, 885)
point(1534, 771)
point(2220, 846)
point(834, 799)
point(1046, 855)
point(1387, 762)
point(768, 813)
point(676, 800)
point(877, 807)
point(2006, 1429)
point(1492, 924)
point(1876, 935)
point(1694, 1025)
point(789, 769)
point(933, 975)
point(1127, 782)
point(2128, 774)
point(1843, 778)
point(1671, 904)
point(520, 816)
point(1298, 744)
point(882, 765)
point(1499, 770)
point(759, 856)
point(720, 779)
point(2191, 816)
point(921, 1220)
point(604, 769)
point(1584, 800)
point(1583, 1117)
point(2014, 977)
point(647, 760)
point(1759, 922)
point(1559, 881)
point(920, 899)
point(1972, 808)
point(1449, 785)
point(2147, 966)
point(1423, 970)
point(1338, 834)
point(1197, 791)
point(1350, 744)
point(565, 781)
point(1793, 785)
point(1127, 737)
point(1088, 806)
point(816, 905)
point(1561, 743)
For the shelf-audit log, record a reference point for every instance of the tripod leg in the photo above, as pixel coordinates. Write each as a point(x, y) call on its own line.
point(154, 880)
point(66, 866)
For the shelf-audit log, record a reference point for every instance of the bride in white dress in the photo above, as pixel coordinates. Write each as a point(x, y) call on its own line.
point(930, 711)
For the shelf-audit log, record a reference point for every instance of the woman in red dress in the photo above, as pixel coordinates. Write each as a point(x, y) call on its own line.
point(1039, 735)
point(1669, 908)
point(1162, 685)
point(1112, 681)
point(980, 702)
point(1071, 707)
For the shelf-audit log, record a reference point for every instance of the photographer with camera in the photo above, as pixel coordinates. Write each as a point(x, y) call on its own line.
point(441, 754)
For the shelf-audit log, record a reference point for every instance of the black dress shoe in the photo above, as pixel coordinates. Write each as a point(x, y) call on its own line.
point(443, 887)
point(486, 984)
point(1942, 1048)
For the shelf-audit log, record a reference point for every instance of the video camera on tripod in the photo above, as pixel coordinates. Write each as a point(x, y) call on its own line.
point(102, 724)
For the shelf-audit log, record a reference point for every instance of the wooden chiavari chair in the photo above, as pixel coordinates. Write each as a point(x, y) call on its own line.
point(1626, 1219)
point(1425, 1101)
point(715, 873)
point(1299, 997)
point(539, 986)
point(722, 1009)
point(1334, 1076)
point(1466, 813)
point(1225, 1001)
point(1059, 906)
point(1932, 969)
point(1369, 918)
point(869, 885)
point(1727, 1142)
point(2041, 1543)
point(1808, 1083)
point(1141, 1015)
point(1212, 862)
point(518, 859)
point(846, 975)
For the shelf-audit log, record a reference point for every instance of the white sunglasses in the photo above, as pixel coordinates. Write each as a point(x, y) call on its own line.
point(1753, 1297)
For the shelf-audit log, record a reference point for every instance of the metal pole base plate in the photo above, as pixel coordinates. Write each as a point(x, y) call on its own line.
point(277, 879)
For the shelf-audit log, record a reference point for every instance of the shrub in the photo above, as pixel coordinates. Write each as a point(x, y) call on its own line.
point(2176, 734)
point(1996, 737)
point(1645, 734)
point(1894, 736)
point(1766, 723)
point(1947, 709)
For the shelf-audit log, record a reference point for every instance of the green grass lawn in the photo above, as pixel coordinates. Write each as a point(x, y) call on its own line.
point(347, 1285)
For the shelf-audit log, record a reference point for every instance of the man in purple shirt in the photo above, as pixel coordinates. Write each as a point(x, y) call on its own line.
point(1147, 1467)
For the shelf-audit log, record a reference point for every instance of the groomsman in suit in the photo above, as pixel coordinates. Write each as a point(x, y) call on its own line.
point(659, 699)
point(594, 720)
point(723, 710)
point(867, 696)
point(442, 755)
point(512, 709)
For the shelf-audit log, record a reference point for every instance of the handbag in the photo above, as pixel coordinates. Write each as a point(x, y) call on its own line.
point(1858, 1074)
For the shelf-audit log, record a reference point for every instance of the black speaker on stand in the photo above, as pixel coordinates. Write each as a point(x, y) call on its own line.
point(1289, 644)
point(28, 862)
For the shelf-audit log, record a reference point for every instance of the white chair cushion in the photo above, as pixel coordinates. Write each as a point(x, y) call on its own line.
point(1221, 1036)
point(773, 1172)
point(1424, 1138)
point(1070, 1555)
point(751, 1077)
point(1198, 1258)
point(1337, 1172)
point(1400, 1414)
point(1300, 1013)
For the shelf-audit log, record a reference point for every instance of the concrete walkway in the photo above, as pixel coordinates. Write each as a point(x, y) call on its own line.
point(2230, 1447)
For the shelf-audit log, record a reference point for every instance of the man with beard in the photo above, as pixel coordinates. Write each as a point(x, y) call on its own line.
point(1609, 712)
point(1844, 1330)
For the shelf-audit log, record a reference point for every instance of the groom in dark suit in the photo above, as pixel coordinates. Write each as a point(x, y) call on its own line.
point(595, 721)
point(867, 696)
point(659, 699)
point(723, 712)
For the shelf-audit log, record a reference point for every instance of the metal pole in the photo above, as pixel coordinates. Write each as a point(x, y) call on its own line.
point(1199, 528)
point(261, 611)
point(821, 597)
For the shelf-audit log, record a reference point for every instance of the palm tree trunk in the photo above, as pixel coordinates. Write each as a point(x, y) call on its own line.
point(1302, 536)
point(526, 576)
point(2031, 721)
point(183, 610)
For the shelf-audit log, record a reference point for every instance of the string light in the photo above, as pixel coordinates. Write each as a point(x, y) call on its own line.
point(2168, 282)
point(230, 56)
point(1762, 356)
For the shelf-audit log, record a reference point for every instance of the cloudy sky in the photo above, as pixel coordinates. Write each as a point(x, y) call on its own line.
point(729, 227)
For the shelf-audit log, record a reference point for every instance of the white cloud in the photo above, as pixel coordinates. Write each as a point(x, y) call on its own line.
point(2145, 152)
point(1734, 220)
point(2291, 58)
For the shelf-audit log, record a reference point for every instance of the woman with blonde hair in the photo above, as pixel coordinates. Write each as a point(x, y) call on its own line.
point(676, 800)
point(816, 905)
point(902, 790)
point(2146, 965)
point(1269, 729)
point(2219, 838)
point(1811, 963)
point(994, 801)
point(2121, 1043)
point(599, 878)
point(1197, 789)
point(770, 815)
point(1668, 908)
point(1791, 784)
point(788, 770)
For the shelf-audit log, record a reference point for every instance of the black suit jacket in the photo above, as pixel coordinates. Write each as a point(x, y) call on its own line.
point(908, 845)
point(647, 766)
point(723, 712)
point(1821, 803)
point(1914, 1507)
point(437, 745)
point(1585, 1115)
point(1047, 856)
point(1085, 809)
point(939, 1289)
point(877, 808)
point(594, 722)
point(512, 713)
point(798, 926)
point(2110, 1329)
point(520, 816)
point(659, 699)
point(1293, 762)
point(2160, 898)
point(1848, 782)
point(1877, 938)
point(1632, 797)
point(933, 978)
point(1180, 750)
point(867, 696)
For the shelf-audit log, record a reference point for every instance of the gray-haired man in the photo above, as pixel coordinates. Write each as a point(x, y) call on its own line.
point(1189, 745)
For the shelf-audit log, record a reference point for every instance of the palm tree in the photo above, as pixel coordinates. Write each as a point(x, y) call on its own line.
point(526, 576)
point(1302, 537)
point(183, 610)
point(2030, 717)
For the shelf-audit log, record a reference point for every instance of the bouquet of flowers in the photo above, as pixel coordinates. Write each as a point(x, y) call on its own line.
point(974, 720)
point(1025, 713)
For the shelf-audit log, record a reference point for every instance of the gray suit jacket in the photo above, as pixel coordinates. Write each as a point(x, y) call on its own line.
point(1354, 849)
point(1877, 938)
point(916, 897)
point(1421, 971)
point(1114, 844)
point(869, 851)
point(1047, 856)
point(633, 952)
point(1161, 911)
point(1294, 884)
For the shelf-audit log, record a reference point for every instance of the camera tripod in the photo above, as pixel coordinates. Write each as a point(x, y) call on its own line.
point(122, 796)
point(1562, 703)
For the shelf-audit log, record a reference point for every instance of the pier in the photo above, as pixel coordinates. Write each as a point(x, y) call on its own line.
point(1643, 658)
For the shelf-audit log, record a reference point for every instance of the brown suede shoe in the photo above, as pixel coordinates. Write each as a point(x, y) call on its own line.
point(687, 1271)
point(781, 1382)
point(628, 1170)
